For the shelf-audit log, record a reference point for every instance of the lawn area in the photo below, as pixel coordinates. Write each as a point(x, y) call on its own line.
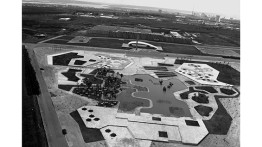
point(79, 62)
point(227, 73)
point(66, 87)
point(88, 134)
point(92, 78)
point(227, 91)
point(57, 41)
point(220, 122)
point(184, 95)
point(71, 74)
point(203, 110)
point(65, 59)
point(190, 82)
point(201, 98)
point(107, 43)
point(117, 44)
point(180, 49)
point(207, 88)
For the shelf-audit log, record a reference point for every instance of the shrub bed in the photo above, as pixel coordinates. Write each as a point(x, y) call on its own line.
point(201, 98)
point(64, 59)
point(203, 110)
point(88, 134)
point(207, 88)
point(227, 91)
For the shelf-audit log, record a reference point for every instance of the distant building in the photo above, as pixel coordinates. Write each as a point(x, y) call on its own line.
point(176, 34)
point(204, 15)
point(217, 18)
point(160, 11)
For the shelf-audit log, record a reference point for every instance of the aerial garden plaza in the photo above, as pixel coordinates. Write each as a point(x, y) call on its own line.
point(107, 98)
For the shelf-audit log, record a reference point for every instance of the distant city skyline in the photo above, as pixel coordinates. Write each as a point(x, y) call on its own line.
point(228, 8)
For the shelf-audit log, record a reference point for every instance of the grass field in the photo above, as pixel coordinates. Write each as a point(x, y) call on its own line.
point(220, 122)
point(71, 74)
point(203, 110)
point(65, 59)
point(117, 44)
point(66, 87)
point(207, 88)
point(184, 95)
point(227, 91)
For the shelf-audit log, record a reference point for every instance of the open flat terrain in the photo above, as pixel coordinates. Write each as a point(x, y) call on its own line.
point(135, 99)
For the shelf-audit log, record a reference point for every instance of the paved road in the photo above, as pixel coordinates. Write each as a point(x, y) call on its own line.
point(51, 123)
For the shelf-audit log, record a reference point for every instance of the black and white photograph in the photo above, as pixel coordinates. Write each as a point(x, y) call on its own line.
point(130, 73)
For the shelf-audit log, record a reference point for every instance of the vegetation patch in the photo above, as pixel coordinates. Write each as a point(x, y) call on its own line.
point(190, 82)
point(79, 62)
point(227, 74)
point(200, 98)
point(184, 95)
point(203, 110)
point(227, 91)
point(88, 134)
point(57, 41)
point(107, 103)
point(65, 87)
point(207, 88)
point(65, 59)
point(165, 64)
point(220, 122)
point(160, 68)
point(71, 74)
point(165, 74)
point(91, 78)
point(156, 118)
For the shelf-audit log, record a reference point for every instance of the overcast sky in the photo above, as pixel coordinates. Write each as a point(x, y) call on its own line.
point(226, 7)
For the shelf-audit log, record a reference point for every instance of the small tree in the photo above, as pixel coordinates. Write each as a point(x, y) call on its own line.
point(64, 131)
